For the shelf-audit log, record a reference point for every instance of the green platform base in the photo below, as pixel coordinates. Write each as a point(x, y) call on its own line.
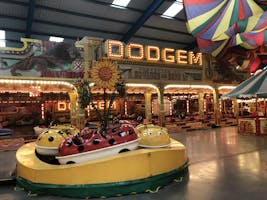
point(151, 184)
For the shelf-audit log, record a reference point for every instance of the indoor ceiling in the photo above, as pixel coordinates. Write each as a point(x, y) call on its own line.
point(140, 22)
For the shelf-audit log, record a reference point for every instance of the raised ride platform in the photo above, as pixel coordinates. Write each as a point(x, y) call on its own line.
point(141, 170)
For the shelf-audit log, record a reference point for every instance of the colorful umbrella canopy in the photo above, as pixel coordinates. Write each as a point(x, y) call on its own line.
point(220, 25)
point(255, 86)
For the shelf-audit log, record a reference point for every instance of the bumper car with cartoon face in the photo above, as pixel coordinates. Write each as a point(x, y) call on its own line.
point(90, 144)
point(153, 136)
point(49, 140)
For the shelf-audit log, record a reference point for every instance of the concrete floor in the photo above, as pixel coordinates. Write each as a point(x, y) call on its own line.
point(223, 166)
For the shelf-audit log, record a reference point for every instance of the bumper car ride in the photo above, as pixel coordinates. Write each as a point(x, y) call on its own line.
point(92, 145)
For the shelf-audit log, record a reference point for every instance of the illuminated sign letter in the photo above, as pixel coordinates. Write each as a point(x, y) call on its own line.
point(192, 59)
point(165, 55)
point(114, 49)
point(181, 56)
point(150, 50)
point(136, 49)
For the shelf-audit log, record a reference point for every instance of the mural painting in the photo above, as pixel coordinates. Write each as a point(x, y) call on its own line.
point(42, 59)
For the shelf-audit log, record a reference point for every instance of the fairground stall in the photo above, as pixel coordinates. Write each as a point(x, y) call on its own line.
point(251, 95)
point(149, 72)
point(187, 83)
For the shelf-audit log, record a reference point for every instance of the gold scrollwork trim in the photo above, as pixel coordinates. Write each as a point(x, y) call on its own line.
point(25, 42)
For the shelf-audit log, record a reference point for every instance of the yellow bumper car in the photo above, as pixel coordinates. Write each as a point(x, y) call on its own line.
point(153, 136)
point(48, 141)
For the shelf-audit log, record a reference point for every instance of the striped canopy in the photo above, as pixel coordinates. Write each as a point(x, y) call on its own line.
point(222, 24)
point(255, 86)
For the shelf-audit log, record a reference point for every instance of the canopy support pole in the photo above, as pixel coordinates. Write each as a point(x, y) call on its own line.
point(264, 107)
point(216, 107)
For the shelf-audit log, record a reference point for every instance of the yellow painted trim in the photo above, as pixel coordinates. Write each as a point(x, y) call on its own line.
point(38, 78)
point(25, 44)
point(132, 165)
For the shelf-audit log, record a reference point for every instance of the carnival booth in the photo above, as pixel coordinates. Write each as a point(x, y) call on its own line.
point(228, 107)
point(251, 95)
point(27, 101)
point(192, 105)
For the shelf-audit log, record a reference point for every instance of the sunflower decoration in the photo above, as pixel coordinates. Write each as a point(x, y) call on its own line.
point(105, 74)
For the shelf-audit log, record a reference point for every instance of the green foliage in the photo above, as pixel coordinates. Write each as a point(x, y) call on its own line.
point(84, 94)
point(120, 87)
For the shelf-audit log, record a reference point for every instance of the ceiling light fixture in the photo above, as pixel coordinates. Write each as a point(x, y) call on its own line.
point(56, 39)
point(2, 38)
point(122, 4)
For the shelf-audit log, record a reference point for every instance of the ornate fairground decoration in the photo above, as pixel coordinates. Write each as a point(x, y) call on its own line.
point(104, 75)
point(37, 58)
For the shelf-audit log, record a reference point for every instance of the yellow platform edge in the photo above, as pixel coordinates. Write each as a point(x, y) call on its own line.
point(137, 164)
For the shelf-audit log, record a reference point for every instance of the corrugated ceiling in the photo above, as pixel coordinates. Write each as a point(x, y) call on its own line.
point(96, 18)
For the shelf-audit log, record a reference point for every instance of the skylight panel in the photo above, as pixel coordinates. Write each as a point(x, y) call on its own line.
point(56, 39)
point(2, 38)
point(173, 10)
point(2, 43)
point(120, 3)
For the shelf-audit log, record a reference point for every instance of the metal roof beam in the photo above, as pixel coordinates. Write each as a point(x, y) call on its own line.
point(75, 38)
point(151, 9)
point(131, 9)
point(30, 18)
point(37, 6)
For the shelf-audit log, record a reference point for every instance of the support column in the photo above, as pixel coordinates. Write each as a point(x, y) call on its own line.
point(236, 108)
point(91, 46)
point(121, 106)
point(92, 50)
point(73, 108)
point(264, 107)
point(148, 107)
point(80, 119)
point(201, 105)
point(216, 106)
point(161, 106)
point(87, 61)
